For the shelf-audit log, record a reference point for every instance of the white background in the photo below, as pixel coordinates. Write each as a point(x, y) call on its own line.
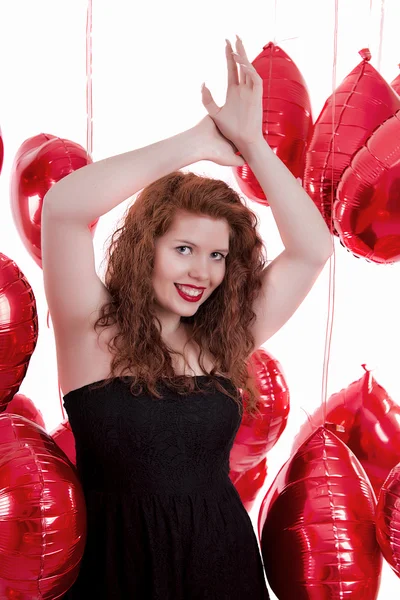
point(149, 60)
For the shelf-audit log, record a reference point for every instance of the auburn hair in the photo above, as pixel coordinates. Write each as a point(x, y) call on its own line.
point(221, 324)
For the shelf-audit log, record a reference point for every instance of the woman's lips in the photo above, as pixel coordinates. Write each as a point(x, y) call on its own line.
point(187, 297)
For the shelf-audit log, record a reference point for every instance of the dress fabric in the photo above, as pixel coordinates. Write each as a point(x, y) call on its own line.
point(164, 520)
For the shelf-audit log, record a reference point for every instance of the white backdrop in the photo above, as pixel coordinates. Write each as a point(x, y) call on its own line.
point(149, 61)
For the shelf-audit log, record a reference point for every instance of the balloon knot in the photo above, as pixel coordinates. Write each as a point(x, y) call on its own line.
point(365, 54)
point(334, 427)
point(269, 45)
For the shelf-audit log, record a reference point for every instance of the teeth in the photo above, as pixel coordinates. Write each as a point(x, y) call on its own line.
point(189, 291)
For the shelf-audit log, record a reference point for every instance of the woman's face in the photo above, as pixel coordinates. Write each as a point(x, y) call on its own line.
point(193, 253)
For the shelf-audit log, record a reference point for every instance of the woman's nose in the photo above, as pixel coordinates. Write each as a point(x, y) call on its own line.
point(200, 270)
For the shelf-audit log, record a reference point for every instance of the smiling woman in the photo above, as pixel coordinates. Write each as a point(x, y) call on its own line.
point(223, 255)
point(196, 269)
point(152, 448)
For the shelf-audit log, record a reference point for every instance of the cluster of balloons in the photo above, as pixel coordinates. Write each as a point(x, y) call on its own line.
point(348, 160)
point(322, 530)
point(43, 515)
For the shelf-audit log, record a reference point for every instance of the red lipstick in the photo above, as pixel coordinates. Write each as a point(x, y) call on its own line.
point(190, 298)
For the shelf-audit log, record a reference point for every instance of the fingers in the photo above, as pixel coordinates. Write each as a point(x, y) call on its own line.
point(243, 71)
point(252, 77)
point(241, 52)
point(238, 59)
point(240, 48)
point(208, 101)
point(248, 73)
point(233, 77)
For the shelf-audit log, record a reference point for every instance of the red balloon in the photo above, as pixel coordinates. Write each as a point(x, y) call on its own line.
point(43, 513)
point(23, 406)
point(317, 525)
point(249, 483)
point(287, 121)
point(256, 436)
point(1, 151)
point(388, 519)
point(365, 418)
point(64, 438)
point(366, 213)
point(396, 84)
point(40, 162)
point(360, 104)
point(19, 328)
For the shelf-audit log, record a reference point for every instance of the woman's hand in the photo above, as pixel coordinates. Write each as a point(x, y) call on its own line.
point(214, 146)
point(240, 119)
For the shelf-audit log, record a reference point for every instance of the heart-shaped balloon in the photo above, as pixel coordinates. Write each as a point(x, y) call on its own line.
point(367, 420)
point(40, 162)
point(366, 213)
point(317, 525)
point(256, 436)
point(1, 151)
point(287, 119)
point(23, 406)
point(249, 483)
point(64, 438)
point(396, 84)
point(388, 519)
point(360, 103)
point(19, 328)
point(43, 513)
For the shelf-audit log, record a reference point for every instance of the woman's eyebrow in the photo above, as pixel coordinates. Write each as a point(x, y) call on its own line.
point(195, 245)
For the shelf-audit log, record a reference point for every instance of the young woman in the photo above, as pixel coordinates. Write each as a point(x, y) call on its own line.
point(151, 362)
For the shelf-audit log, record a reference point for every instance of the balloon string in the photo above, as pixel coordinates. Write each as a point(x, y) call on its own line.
point(332, 260)
point(89, 120)
point(288, 39)
point(267, 115)
point(89, 95)
point(270, 58)
point(370, 25)
point(381, 34)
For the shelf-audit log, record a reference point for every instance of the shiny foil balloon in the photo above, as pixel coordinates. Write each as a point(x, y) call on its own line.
point(287, 119)
point(396, 84)
point(256, 436)
point(64, 438)
point(249, 483)
point(317, 525)
point(42, 513)
point(388, 519)
point(19, 328)
point(360, 104)
point(23, 406)
point(40, 162)
point(364, 417)
point(366, 213)
point(1, 151)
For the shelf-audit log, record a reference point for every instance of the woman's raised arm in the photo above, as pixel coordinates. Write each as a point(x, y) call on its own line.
point(90, 192)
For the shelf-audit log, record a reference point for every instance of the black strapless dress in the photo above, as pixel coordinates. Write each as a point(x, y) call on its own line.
point(164, 520)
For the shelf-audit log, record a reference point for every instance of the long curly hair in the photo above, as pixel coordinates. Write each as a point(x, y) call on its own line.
point(221, 324)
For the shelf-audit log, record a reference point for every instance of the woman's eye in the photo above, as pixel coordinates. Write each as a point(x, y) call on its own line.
point(219, 253)
point(179, 247)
